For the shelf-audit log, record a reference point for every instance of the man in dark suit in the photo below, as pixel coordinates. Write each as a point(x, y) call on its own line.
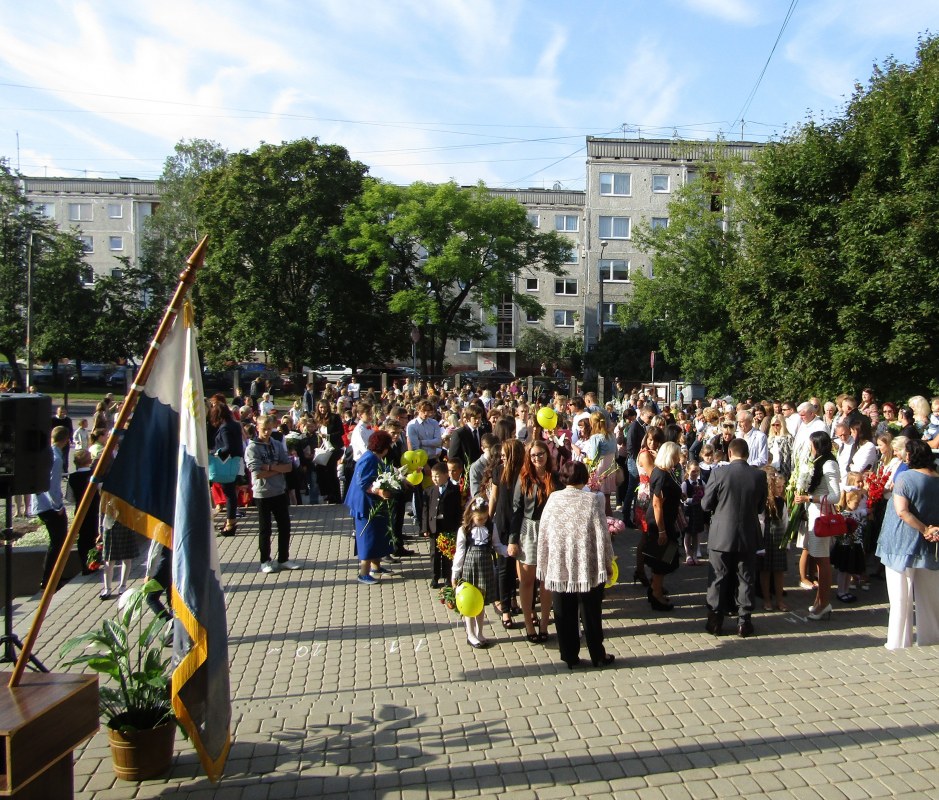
point(635, 435)
point(465, 441)
point(735, 495)
point(443, 513)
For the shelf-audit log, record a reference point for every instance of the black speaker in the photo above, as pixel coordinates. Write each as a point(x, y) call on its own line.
point(25, 450)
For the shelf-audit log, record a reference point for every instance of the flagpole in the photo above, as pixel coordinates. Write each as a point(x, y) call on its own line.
point(186, 279)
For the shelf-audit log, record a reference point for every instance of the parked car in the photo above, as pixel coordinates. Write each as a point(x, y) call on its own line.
point(249, 370)
point(92, 375)
point(117, 380)
point(335, 373)
point(487, 378)
point(42, 376)
point(548, 386)
point(370, 377)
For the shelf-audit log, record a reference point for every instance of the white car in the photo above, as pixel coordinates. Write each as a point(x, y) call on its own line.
point(335, 373)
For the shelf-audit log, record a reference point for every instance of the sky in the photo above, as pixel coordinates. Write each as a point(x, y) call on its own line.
point(500, 91)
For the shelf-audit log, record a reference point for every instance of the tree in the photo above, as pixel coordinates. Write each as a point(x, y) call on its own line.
point(684, 306)
point(128, 306)
point(434, 248)
point(273, 279)
point(536, 345)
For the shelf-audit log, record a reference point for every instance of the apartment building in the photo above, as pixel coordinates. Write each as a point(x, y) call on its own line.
point(628, 182)
point(107, 215)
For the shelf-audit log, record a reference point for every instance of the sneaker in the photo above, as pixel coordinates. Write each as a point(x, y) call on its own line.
point(268, 567)
point(368, 579)
point(289, 565)
point(381, 571)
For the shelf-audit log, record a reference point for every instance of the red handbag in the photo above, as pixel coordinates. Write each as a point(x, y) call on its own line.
point(828, 522)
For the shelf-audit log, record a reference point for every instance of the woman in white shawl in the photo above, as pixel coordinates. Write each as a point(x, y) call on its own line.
point(575, 558)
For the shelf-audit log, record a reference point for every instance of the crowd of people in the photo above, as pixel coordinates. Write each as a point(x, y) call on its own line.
point(520, 496)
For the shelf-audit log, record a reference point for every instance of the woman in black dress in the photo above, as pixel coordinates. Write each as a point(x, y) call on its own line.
point(663, 535)
point(330, 430)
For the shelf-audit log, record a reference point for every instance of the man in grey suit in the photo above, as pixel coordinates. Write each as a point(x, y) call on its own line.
point(735, 495)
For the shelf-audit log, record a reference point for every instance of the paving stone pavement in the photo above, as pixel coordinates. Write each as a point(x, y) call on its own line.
point(341, 689)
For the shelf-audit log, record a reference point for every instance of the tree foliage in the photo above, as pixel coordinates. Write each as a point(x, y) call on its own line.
point(434, 247)
point(536, 345)
point(272, 279)
point(684, 306)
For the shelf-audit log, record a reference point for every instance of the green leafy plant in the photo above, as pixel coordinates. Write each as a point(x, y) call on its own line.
point(131, 651)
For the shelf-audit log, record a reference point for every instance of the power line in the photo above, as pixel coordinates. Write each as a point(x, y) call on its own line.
point(756, 86)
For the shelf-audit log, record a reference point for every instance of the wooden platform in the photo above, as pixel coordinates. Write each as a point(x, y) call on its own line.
point(41, 722)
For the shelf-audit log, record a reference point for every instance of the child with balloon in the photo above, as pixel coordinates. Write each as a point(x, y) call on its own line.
point(474, 576)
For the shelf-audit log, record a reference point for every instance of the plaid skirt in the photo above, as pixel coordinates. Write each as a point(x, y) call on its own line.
point(775, 559)
point(120, 542)
point(479, 569)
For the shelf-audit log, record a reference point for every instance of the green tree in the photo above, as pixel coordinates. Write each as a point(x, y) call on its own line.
point(434, 248)
point(128, 308)
point(685, 307)
point(536, 345)
point(273, 279)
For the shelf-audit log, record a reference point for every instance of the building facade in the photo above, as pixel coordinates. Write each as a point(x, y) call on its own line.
point(107, 215)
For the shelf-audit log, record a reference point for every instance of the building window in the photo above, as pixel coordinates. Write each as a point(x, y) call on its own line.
point(115, 211)
point(659, 223)
point(660, 183)
point(572, 256)
point(44, 210)
point(117, 274)
point(566, 222)
point(531, 316)
point(609, 313)
point(531, 284)
point(465, 346)
point(534, 219)
point(614, 269)
point(88, 243)
point(79, 212)
point(563, 319)
point(87, 275)
point(615, 183)
point(565, 286)
point(116, 242)
point(614, 227)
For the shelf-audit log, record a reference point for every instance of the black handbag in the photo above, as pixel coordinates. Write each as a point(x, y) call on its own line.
point(665, 553)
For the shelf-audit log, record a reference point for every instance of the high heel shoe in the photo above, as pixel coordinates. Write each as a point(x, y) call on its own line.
point(640, 577)
point(658, 605)
point(824, 613)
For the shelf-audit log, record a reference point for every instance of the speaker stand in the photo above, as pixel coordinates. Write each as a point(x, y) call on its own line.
point(10, 641)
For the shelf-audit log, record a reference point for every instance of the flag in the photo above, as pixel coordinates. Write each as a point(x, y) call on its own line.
point(158, 485)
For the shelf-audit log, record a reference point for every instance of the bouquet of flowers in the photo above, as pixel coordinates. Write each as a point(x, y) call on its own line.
point(875, 483)
point(799, 482)
point(595, 476)
point(95, 558)
point(446, 544)
point(615, 526)
point(447, 597)
point(388, 480)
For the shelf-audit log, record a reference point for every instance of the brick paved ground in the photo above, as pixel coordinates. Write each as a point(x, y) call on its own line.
point(341, 689)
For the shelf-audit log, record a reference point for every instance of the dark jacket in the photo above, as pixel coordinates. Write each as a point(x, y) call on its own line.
point(228, 440)
point(464, 447)
point(443, 513)
point(735, 495)
point(634, 436)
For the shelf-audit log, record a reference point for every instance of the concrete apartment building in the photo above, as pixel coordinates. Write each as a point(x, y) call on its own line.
point(108, 215)
point(628, 182)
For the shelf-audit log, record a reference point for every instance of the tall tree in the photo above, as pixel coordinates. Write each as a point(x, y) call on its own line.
point(683, 305)
point(272, 274)
point(434, 248)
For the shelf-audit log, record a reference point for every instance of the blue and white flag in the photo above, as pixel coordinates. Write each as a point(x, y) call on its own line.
point(158, 485)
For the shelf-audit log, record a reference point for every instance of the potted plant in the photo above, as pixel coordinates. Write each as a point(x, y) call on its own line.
point(136, 704)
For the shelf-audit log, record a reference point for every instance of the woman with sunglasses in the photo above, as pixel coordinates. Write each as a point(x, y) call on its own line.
point(535, 484)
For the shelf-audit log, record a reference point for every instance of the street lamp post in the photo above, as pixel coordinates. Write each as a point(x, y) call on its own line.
point(600, 308)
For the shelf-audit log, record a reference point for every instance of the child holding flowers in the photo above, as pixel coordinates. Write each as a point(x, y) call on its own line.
point(473, 562)
point(847, 555)
point(441, 518)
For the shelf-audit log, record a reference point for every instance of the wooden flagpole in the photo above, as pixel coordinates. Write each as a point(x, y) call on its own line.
point(186, 279)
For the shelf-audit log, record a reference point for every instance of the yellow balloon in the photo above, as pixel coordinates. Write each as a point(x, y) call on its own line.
point(407, 459)
point(547, 418)
point(415, 478)
point(614, 575)
point(427, 482)
point(420, 458)
point(469, 600)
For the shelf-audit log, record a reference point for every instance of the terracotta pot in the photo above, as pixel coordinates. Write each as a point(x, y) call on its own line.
point(139, 755)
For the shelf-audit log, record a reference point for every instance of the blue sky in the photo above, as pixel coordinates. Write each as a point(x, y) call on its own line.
point(502, 91)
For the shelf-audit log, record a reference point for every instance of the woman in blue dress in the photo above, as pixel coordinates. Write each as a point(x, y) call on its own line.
point(369, 515)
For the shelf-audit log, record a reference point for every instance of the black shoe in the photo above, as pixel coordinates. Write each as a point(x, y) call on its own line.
point(571, 665)
point(608, 659)
point(403, 551)
point(658, 605)
point(715, 623)
point(435, 584)
point(745, 628)
point(393, 559)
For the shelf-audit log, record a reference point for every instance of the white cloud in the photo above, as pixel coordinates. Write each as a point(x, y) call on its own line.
point(743, 12)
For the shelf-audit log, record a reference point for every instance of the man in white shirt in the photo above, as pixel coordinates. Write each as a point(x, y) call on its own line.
point(788, 410)
point(362, 431)
point(845, 443)
point(424, 432)
point(809, 422)
point(354, 388)
point(755, 439)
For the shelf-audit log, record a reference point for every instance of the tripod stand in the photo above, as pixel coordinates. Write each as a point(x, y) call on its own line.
point(10, 641)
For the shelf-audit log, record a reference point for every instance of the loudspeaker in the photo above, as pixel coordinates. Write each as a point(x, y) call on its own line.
point(25, 450)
